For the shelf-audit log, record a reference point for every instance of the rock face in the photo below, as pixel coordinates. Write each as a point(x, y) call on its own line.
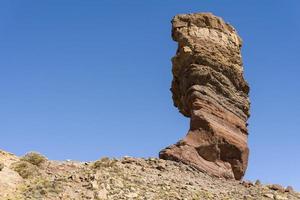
point(208, 86)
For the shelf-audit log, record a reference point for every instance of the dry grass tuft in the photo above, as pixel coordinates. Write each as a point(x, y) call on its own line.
point(34, 158)
point(25, 169)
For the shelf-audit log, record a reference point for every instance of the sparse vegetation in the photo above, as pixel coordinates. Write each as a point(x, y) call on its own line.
point(103, 162)
point(127, 178)
point(34, 158)
point(41, 187)
point(25, 169)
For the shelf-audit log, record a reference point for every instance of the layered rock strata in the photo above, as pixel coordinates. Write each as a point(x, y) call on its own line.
point(209, 87)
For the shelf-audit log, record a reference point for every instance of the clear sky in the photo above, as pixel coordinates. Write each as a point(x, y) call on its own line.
point(85, 79)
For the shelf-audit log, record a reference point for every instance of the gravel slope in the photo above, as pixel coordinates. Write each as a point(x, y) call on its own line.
point(126, 178)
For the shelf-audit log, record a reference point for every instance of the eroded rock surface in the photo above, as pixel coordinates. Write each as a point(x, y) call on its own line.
point(209, 87)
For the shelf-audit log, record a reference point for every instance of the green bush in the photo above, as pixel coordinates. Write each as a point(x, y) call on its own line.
point(34, 158)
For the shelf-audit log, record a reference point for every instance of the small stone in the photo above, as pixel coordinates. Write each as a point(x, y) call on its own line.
point(187, 49)
point(152, 159)
point(1, 166)
point(131, 195)
point(276, 187)
point(102, 194)
point(94, 185)
point(88, 186)
point(247, 184)
point(271, 196)
point(190, 183)
point(160, 167)
point(118, 183)
point(132, 189)
point(279, 197)
point(184, 187)
point(289, 189)
point(128, 160)
point(247, 197)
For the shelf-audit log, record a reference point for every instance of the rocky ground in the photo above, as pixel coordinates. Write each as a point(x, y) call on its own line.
point(34, 177)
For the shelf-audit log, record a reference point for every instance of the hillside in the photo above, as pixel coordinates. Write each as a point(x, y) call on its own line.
point(34, 177)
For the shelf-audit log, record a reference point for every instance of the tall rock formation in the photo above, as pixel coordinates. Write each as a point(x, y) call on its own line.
point(209, 87)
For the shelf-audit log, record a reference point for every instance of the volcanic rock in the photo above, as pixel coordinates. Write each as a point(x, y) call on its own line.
point(209, 87)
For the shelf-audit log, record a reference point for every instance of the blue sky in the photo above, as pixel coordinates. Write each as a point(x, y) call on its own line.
point(85, 79)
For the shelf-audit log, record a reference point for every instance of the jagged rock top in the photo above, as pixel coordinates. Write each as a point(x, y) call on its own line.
point(205, 20)
point(206, 40)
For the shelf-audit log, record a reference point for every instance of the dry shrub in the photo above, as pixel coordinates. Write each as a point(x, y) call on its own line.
point(25, 169)
point(34, 158)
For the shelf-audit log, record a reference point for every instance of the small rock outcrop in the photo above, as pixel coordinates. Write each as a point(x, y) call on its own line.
point(209, 87)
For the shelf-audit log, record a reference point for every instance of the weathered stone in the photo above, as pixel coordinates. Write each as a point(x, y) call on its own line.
point(280, 197)
point(268, 195)
point(102, 194)
point(276, 187)
point(1, 166)
point(289, 189)
point(247, 183)
point(209, 87)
